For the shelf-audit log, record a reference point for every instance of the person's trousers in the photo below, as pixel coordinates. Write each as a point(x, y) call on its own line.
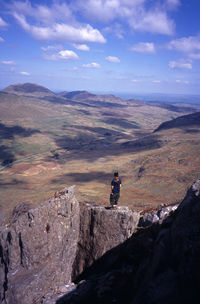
point(114, 197)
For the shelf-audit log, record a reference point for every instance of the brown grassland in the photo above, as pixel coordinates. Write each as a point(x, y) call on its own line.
point(54, 145)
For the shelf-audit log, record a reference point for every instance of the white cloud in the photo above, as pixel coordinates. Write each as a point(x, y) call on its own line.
point(57, 21)
point(51, 48)
point(136, 13)
point(92, 65)
point(81, 47)
point(57, 11)
point(180, 65)
point(8, 62)
point(194, 55)
point(74, 69)
point(54, 22)
point(156, 81)
point(185, 44)
point(182, 81)
point(143, 47)
point(68, 54)
point(64, 54)
point(172, 4)
point(135, 80)
point(1, 39)
point(24, 73)
point(115, 28)
point(154, 22)
point(3, 23)
point(61, 32)
point(112, 59)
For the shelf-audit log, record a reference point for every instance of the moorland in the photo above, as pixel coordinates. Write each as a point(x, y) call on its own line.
point(54, 140)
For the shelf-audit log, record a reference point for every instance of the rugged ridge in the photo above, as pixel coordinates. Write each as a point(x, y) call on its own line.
point(158, 264)
point(104, 251)
point(43, 248)
point(101, 229)
point(37, 249)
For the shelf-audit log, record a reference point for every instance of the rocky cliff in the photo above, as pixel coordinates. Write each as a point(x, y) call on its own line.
point(157, 264)
point(112, 255)
point(43, 248)
point(101, 229)
point(37, 249)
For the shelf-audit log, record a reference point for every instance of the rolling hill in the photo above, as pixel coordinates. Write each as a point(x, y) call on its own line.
point(53, 141)
point(28, 89)
point(185, 121)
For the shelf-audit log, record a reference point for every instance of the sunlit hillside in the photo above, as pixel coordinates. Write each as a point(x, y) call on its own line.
point(51, 142)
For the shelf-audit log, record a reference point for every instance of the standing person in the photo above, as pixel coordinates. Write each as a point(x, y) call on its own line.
point(115, 189)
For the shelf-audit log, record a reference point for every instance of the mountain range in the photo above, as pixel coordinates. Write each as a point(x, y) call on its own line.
point(50, 140)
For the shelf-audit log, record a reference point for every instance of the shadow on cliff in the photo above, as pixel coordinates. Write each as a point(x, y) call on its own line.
point(158, 264)
point(111, 278)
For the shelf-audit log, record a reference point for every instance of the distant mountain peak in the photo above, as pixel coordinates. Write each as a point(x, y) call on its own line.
point(28, 89)
point(77, 94)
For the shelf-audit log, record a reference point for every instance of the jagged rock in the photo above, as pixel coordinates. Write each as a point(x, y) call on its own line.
point(150, 218)
point(52, 296)
point(43, 247)
point(158, 264)
point(37, 249)
point(102, 229)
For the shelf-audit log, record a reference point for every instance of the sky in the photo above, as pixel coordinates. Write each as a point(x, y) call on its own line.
point(127, 46)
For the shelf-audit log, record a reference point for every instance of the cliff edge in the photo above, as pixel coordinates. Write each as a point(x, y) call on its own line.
point(43, 249)
point(157, 264)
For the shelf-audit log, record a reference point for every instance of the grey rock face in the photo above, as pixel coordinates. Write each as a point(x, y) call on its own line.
point(102, 229)
point(43, 247)
point(150, 218)
point(157, 264)
point(38, 248)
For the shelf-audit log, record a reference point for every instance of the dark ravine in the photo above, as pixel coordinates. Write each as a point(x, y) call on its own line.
point(112, 255)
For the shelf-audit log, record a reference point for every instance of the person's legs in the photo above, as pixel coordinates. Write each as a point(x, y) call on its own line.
point(112, 199)
point(116, 198)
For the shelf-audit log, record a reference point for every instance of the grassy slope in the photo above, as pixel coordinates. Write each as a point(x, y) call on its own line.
point(89, 143)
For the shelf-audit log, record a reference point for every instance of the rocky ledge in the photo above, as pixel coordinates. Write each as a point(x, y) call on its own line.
point(157, 264)
point(43, 249)
point(65, 252)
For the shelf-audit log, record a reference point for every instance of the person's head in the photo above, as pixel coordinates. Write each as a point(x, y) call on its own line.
point(116, 176)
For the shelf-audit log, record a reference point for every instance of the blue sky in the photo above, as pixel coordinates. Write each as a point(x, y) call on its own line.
point(127, 46)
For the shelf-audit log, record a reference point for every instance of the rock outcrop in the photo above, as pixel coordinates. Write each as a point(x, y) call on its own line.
point(37, 249)
point(158, 264)
point(101, 229)
point(43, 248)
point(156, 216)
point(113, 255)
